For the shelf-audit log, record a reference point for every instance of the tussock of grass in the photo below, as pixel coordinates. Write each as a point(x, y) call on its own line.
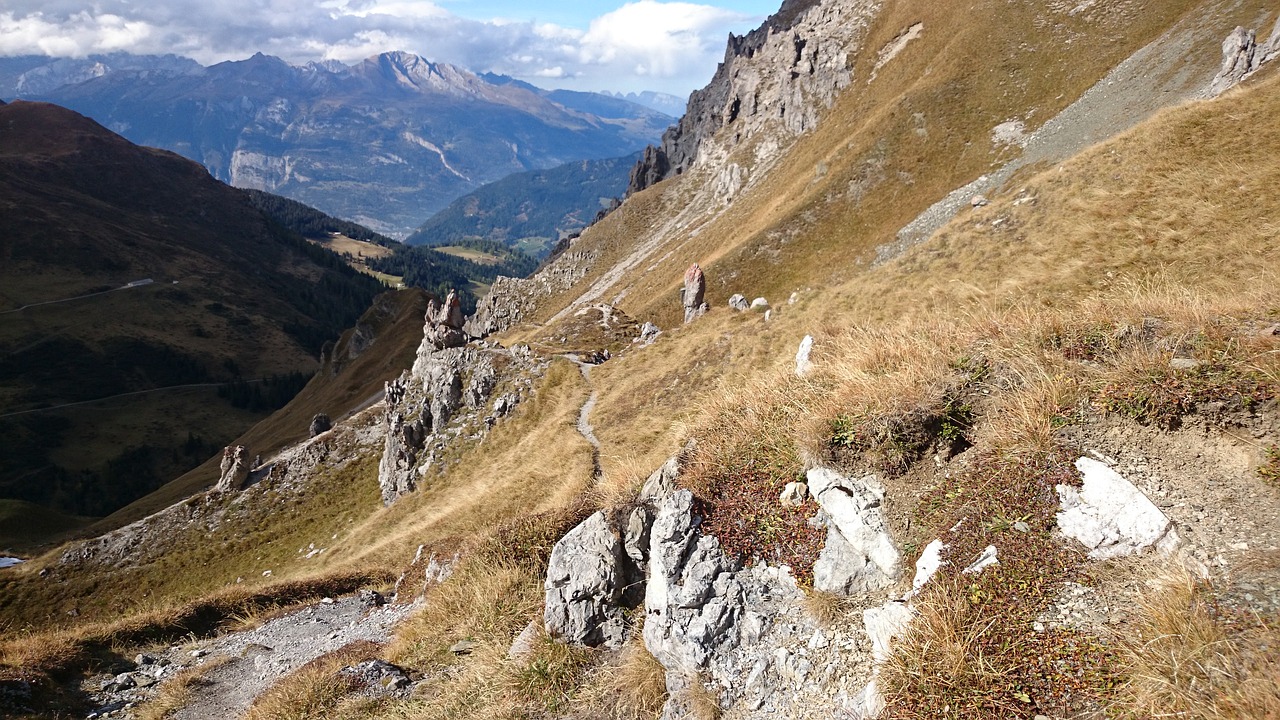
point(549, 679)
point(314, 691)
point(630, 686)
point(827, 608)
point(962, 657)
point(1152, 392)
point(700, 701)
point(1189, 656)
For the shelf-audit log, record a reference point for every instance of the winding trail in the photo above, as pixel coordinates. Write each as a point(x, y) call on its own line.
point(584, 416)
point(130, 286)
point(253, 660)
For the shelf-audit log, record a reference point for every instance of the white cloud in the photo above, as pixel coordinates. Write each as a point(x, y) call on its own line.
point(646, 44)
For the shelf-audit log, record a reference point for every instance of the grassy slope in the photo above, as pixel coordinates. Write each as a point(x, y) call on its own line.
point(233, 295)
point(801, 230)
point(892, 339)
point(26, 525)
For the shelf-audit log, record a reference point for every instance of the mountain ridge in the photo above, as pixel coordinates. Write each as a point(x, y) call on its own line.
point(326, 134)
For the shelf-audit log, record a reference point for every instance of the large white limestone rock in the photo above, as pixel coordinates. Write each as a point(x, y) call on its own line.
point(1110, 516)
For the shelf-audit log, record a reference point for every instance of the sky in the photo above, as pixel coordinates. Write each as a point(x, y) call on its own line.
point(659, 45)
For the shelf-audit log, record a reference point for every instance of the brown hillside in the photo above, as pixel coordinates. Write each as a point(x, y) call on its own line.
point(86, 214)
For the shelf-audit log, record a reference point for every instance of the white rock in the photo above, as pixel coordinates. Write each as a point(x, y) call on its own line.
point(883, 624)
point(1110, 516)
point(803, 366)
point(818, 641)
point(928, 565)
point(586, 577)
point(759, 303)
point(854, 507)
point(794, 494)
point(986, 559)
point(522, 646)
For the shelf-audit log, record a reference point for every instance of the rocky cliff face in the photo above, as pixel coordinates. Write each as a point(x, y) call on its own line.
point(779, 77)
point(513, 300)
point(450, 396)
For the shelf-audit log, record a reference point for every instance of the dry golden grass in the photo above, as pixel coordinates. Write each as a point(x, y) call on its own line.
point(827, 608)
point(940, 657)
point(314, 691)
point(1023, 321)
point(1188, 656)
point(534, 461)
point(630, 686)
point(60, 653)
point(700, 701)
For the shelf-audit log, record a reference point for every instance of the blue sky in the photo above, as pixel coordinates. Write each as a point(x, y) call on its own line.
point(664, 45)
point(575, 14)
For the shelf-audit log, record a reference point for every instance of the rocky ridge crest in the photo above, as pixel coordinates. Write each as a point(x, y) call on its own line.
point(451, 393)
point(775, 80)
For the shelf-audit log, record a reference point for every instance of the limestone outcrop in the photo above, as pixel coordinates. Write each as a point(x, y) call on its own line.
point(779, 78)
point(1242, 55)
point(447, 396)
point(234, 469)
point(859, 555)
point(1111, 517)
point(589, 577)
point(511, 301)
point(442, 326)
point(708, 619)
point(405, 436)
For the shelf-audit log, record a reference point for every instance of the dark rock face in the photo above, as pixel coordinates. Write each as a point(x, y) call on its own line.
point(319, 424)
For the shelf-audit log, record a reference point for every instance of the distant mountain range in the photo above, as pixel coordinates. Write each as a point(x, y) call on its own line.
point(665, 103)
point(385, 142)
point(530, 211)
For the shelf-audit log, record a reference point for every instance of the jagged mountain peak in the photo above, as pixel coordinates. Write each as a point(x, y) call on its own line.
point(385, 142)
point(414, 72)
